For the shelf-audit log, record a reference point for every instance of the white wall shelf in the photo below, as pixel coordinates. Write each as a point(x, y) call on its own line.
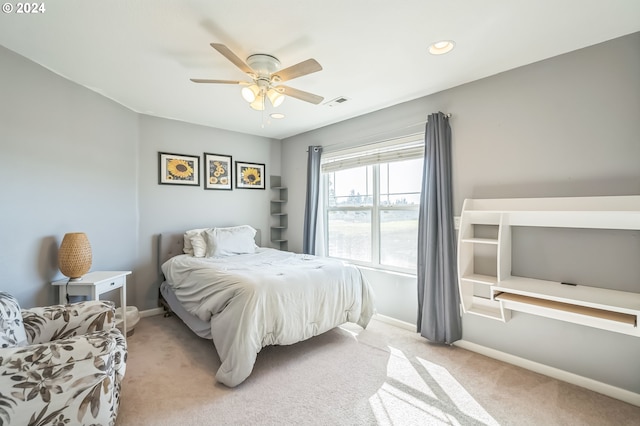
point(603, 308)
point(481, 279)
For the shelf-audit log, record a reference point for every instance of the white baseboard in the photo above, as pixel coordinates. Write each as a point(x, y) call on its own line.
point(151, 312)
point(392, 321)
point(565, 376)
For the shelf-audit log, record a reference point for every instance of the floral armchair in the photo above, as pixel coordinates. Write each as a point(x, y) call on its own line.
point(60, 365)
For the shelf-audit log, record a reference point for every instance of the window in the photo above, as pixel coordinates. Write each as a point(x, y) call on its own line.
point(371, 200)
point(350, 201)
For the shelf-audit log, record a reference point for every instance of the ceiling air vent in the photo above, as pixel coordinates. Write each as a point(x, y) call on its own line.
point(337, 101)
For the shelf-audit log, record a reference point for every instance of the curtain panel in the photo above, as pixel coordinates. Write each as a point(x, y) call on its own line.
point(311, 205)
point(438, 297)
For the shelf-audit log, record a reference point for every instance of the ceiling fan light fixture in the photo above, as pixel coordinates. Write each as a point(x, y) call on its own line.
point(442, 47)
point(258, 103)
point(250, 93)
point(275, 97)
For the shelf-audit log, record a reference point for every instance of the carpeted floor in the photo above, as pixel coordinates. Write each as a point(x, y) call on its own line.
point(348, 376)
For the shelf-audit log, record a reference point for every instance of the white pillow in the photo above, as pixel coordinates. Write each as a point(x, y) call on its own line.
point(188, 246)
point(199, 245)
point(230, 241)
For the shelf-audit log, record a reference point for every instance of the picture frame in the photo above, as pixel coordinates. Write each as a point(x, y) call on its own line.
point(178, 169)
point(250, 175)
point(218, 171)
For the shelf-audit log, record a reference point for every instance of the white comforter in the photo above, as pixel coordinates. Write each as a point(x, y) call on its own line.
point(267, 298)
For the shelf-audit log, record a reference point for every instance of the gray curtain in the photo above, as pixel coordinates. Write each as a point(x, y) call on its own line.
point(311, 205)
point(438, 298)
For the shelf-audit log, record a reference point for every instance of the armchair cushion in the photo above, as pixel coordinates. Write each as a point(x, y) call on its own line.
point(45, 324)
point(12, 331)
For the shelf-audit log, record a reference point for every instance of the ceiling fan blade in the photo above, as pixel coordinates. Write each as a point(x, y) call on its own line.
point(299, 94)
point(298, 70)
point(227, 53)
point(203, 80)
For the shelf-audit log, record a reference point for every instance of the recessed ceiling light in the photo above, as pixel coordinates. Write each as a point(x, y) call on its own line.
point(441, 47)
point(276, 115)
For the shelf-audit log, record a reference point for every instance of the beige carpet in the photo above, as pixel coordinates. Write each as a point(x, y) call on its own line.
point(348, 376)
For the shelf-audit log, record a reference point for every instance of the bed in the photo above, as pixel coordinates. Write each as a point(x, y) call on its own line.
point(253, 297)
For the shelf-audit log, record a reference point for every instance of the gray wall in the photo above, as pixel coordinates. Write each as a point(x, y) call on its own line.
point(171, 208)
point(567, 126)
point(69, 164)
point(76, 161)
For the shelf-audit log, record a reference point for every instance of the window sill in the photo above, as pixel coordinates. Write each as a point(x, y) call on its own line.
point(386, 271)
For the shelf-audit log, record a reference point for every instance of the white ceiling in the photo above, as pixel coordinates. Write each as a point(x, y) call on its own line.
point(374, 52)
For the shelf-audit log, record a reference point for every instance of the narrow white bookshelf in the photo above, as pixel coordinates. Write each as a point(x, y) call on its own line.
point(279, 222)
point(496, 296)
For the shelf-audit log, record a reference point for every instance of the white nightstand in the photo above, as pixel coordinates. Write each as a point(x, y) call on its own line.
point(93, 285)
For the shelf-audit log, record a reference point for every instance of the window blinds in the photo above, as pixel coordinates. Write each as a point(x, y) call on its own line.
point(406, 148)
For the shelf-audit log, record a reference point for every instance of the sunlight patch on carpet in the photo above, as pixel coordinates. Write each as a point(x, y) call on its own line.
point(349, 332)
point(422, 392)
point(456, 393)
point(400, 369)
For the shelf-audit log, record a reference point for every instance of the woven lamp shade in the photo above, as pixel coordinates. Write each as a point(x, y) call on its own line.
point(74, 256)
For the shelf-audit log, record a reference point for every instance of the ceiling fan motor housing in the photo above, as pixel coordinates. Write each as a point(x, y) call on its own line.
point(264, 65)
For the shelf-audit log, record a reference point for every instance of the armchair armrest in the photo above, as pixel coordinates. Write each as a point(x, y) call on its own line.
point(63, 380)
point(45, 324)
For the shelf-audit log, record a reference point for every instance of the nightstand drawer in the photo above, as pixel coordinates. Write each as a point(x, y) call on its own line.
point(111, 284)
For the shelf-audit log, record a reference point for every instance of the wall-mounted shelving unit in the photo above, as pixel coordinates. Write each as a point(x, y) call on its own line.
point(487, 287)
point(279, 219)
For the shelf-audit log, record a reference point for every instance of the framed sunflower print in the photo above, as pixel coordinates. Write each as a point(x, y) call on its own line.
point(249, 175)
point(218, 171)
point(178, 169)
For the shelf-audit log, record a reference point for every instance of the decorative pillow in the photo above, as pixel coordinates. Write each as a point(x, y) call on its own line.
point(230, 241)
point(11, 327)
point(188, 246)
point(199, 245)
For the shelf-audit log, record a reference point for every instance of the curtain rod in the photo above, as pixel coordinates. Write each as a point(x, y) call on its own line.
point(448, 115)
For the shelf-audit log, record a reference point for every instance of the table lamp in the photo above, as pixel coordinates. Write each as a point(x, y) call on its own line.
point(74, 256)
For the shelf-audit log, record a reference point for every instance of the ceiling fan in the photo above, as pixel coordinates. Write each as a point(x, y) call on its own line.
point(265, 73)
